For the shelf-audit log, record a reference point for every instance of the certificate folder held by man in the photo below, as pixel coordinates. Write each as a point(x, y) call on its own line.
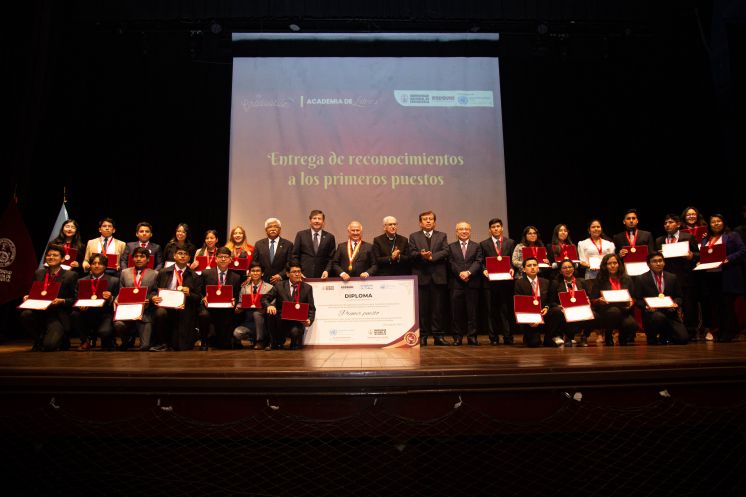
point(527, 309)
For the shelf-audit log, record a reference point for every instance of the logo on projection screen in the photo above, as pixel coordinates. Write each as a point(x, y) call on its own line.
point(455, 98)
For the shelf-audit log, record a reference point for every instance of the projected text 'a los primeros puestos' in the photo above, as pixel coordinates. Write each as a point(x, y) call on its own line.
point(338, 179)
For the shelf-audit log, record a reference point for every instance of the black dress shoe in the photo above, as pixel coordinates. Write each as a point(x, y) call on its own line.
point(439, 341)
point(204, 345)
point(494, 342)
point(508, 340)
point(423, 341)
point(456, 341)
point(472, 341)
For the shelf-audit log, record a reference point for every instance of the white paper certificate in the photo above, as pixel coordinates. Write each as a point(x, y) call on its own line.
point(678, 249)
point(708, 265)
point(659, 302)
point(171, 298)
point(219, 305)
point(528, 318)
point(129, 312)
point(614, 296)
point(637, 268)
point(375, 312)
point(578, 313)
point(595, 262)
point(35, 305)
point(500, 276)
point(89, 303)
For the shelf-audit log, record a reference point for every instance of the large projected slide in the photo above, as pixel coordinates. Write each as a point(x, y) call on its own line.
point(362, 138)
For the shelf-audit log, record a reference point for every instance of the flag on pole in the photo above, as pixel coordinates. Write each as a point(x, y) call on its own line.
point(61, 218)
point(17, 256)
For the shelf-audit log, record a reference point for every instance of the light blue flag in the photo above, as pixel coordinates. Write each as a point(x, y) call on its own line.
point(61, 218)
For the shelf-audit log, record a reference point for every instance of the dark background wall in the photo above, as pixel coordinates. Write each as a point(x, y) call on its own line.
point(606, 105)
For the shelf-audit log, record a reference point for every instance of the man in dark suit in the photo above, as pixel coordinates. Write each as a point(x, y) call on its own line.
point(530, 284)
point(175, 327)
point(137, 276)
point(682, 267)
point(273, 252)
point(499, 293)
point(219, 319)
point(391, 250)
point(143, 232)
point(428, 249)
point(465, 260)
point(661, 325)
point(353, 257)
point(631, 236)
point(96, 322)
point(291, 290)
point(50, 328)
point(314, 247)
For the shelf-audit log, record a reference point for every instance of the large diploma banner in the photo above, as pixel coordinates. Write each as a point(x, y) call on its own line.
point(374, 312)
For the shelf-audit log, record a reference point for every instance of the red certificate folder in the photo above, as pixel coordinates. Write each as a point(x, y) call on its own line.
point(112, 261)
point(713, 253)
point(495, 266)
point(202, 261)
point(541, 254)
point(85, 291)
point(240, 264)
point(225, 297)
point(70, 256)
point(127, 295)
point(524, 305)
point(289, 312)
point(246, 301)
point(150, 264)
point(37, 287)
point(580, 299)
point(698, 232)
point(639, 255)
point(572, 254)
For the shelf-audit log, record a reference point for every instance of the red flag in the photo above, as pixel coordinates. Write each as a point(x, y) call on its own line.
point(17, 256)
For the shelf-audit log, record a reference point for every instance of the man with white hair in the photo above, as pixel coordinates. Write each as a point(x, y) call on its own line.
point(353, 257)
point(273, 252)
point(391, 250)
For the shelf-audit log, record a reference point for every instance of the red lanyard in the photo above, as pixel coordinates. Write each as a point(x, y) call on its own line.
point(499, 246)
point(632, 241)
point(600, 246)
point(659, 282)
point(615, 284)
point(94, 286)
point(135, 277)
point(105, 246)
point(210, 260)
point(255, 296)
point(48, 281)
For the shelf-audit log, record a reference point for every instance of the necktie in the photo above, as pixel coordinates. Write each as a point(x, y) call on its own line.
point(533, 286)
point(142, 244)
point(222, 278)
point(106, 245)
point(315, 242)
point(255, 289)
point(179, 279)
point(354, 244)
point(670, 239)
point(427, 237)
point(463, 249)
point(271, 251)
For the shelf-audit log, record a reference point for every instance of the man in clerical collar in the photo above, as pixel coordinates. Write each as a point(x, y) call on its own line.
point(50, 328)
point(391, 250)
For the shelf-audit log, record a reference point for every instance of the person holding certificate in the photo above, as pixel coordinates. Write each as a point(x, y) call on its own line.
point(562, 247)
point(631, 236)
point(141, 284)
point(391, 250)
point(531, 244)
point(207, 252)
point(69, 239)
point(659, 296)
point(567, 282)
point(240, 249)
point(314, 247)
point(181, 236)
point(611, 298)
point(594, 248)
point(273, 252)
point(353, 257)
point(50, 327)
point(177, 304)
point(143, 232)
point(254, 313)
point(681, 251)
point(105, 244)
point(723, 285)
point(428, 249)
point(96, 322)
point(693, 222)
point(291, 300)
point(531, 285)
point(220, 287)
point(500, 292)
point(465, 261)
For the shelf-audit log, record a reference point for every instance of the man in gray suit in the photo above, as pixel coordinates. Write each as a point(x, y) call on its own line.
point(428, 249)
point(465, 259)
point(142, 277)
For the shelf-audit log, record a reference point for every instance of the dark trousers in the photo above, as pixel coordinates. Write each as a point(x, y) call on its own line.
point(550, 329)
point(612, 317)
point(49, 329)
point(664, 325)
point(94, 323)
point(175, 328)
point(432, 302)
point(464, 303)
point(221, 321)
point(500, 310)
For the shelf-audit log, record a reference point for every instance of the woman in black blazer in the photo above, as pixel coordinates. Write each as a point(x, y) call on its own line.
point(611, 316)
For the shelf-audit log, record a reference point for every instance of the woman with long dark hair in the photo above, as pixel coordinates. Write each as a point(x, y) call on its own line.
point(69, 238)
point(612, 316)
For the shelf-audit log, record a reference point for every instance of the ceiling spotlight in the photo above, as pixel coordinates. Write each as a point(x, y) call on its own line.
point(294, 27)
